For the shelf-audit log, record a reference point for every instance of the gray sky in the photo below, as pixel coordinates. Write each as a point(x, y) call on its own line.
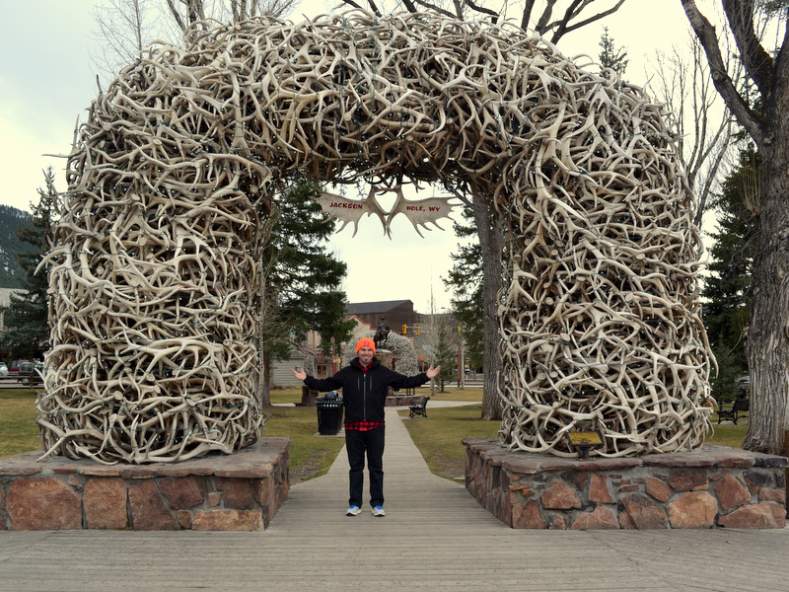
point(49, 51)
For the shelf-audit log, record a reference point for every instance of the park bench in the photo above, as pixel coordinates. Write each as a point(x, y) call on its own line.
point(419, 407)
point(733, 412)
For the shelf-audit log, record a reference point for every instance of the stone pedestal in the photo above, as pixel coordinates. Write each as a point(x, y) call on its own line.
point(714, 486)
point(241, 491)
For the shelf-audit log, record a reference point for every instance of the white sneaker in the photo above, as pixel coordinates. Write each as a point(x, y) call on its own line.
point(378, 511)
point(353, 511)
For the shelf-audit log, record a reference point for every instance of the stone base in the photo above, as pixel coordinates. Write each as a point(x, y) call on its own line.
point(714, 486)
point(241, 491)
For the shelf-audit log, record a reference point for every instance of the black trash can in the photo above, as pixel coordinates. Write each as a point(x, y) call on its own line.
point(330, 414)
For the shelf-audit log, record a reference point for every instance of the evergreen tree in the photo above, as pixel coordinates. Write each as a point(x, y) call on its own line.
point(465, 280)
point(26, 318)
point(610, 56)
point(11, 221)
point(728, 288)
point(301, 285)
point(331, 322)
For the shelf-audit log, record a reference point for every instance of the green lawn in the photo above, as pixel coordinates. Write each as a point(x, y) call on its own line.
point(728, 434)
point(439, 437)
point(473, 395)
point(18, 430)
point(286, 395)
point(310, 455)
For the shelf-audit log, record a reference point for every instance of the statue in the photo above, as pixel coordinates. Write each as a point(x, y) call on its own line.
point(381, 335)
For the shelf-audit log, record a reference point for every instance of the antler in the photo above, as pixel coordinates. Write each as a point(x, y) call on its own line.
point(349, 210)
point(420, 212)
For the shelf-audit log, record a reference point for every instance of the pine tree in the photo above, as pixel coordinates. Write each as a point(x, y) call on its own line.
point(331, 322)
point(610, 56)
point(12, 220)
point(301, 285)
point(26, 318)
point(465, 280)
point(728, 289)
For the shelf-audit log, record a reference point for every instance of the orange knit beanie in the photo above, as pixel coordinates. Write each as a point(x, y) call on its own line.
point(365, 341)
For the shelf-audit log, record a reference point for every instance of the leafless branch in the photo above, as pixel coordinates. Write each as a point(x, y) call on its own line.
point(545, 17)
point(600, 15)
point(122, 29)
point(176, 15)
point(476, 7)
point(720, 77)
point(758, 63)
point(566, 23)
point(434, 8)
point(685, 86)
point(526, 16)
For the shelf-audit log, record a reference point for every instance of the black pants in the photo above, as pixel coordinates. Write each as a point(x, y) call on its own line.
point(371, 442)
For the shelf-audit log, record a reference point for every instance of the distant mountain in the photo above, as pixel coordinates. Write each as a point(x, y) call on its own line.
point(11, 219)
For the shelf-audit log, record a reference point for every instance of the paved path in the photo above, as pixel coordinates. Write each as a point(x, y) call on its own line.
point(435, 537)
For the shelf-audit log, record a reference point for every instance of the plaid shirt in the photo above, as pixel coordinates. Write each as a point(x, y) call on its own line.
point(362, 426)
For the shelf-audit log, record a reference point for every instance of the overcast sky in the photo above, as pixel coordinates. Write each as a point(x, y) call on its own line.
point(49, 52)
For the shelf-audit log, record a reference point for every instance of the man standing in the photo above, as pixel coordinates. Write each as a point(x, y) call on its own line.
point(365, 383)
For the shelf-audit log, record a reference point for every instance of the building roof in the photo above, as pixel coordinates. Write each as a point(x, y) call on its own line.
point(374, 307)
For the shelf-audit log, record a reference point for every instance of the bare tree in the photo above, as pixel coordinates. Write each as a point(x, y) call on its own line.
point(125, 27)
point(128, 26)
point(551, 25)
point(683, 83)
point(196, 13)
point(767, 124)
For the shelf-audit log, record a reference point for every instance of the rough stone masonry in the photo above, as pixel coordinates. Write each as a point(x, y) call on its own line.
point(238, 492)
point(714, 486)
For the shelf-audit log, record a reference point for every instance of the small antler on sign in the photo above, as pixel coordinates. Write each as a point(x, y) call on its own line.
point(420, 212)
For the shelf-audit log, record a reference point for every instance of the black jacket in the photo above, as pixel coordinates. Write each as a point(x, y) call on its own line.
point(363, 394)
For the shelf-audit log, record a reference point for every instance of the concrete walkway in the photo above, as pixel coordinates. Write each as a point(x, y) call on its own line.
point(434, 537)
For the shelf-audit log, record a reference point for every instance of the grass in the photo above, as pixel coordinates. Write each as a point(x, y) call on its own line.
point(286, 395)
point(18, 430)
point(439, 437)
point(728, 434)
point(473, 395)
point(310, 455)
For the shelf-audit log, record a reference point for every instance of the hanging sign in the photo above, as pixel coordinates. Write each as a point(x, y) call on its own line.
point(420, 212)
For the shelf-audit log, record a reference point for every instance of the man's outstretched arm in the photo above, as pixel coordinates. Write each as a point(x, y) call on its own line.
point(403, 381)
point(317, 384)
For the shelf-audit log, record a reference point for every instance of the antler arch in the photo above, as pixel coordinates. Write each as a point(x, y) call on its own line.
point(155, 272)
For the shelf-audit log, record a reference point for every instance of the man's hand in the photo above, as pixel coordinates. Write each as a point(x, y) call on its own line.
point(433, 372)
point(299, 373)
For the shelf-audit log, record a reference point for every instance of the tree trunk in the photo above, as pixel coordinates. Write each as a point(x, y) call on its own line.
point(490, 240)
point(768, 333)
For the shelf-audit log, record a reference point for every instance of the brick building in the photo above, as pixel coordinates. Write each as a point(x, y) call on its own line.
point(392, 313)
